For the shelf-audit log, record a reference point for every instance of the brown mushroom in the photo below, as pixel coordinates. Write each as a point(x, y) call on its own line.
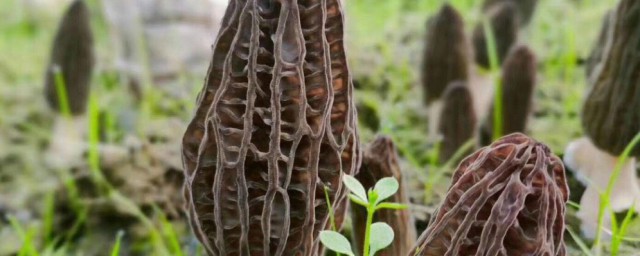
point(72, 57)
point(518, 84)
point(380, 160)
point(610, 119)
point(505, 199)
point(446, 53)
point(275, 124)
point(70, 68)
point(457, 120)
point(525, 8)
point(503, 20)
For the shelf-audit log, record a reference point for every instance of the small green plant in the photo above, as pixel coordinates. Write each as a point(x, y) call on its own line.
point(372, 201)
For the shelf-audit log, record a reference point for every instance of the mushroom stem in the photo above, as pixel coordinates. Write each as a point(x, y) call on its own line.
point(593, 168)
point(433, 114)
point(68, 144)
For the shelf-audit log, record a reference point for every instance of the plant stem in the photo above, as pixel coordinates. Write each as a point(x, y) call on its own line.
point(367, 231)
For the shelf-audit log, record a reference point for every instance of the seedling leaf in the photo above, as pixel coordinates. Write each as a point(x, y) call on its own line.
point(336, 242)
point(382, 236)
point(355, 187)
point(385, 188)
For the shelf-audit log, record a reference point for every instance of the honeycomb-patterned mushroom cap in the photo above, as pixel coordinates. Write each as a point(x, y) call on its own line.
point(73, 56)
point(446, 53)
point(610, 115)
point(505, 199)
point(275, 124)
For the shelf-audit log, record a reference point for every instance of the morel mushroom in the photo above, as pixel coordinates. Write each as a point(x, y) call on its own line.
point(503, 20)
point(72, 60)
point(69, 74)
point(275, 125)
point(505, 199)
point(518, 84)
point(380, 160)
point(446, 59)
point(446, 53)
point(610, 119)
point(457, 120)
point(525, 8)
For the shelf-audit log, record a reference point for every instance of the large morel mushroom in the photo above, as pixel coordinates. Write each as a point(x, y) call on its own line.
point(275, 125)
point(505, 199)
point(610, 119)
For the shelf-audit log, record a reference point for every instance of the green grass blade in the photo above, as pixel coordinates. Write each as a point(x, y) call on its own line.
point(115, 251)
point(61, 90)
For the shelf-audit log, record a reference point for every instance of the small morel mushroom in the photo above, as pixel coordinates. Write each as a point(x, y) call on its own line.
point(380, 160)
point(72, 60)
point(505, 199)
point(446, 53)
point(275, 127)
point(518, 84)
point(67, 84)
point(457, 120)
point(610, 119)
point(446, 59)
point(503, 20)
point(525, 8)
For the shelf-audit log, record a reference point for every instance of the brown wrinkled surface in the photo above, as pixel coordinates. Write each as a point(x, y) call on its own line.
point(505, 199)
point(446, 53)
point(611, 116)
point(380, 160)
point(72, 53)
point(504, 24)
point(525, 8)
point(275, 123)
point(457, 121)
point(518, 84)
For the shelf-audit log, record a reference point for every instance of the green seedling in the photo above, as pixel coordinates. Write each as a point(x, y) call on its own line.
point(373, 200)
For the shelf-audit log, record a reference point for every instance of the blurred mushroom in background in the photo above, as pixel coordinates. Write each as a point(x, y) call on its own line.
point(446, 59)
point(610, 119)
point(380, 160)
point(518, 84)
point(525, 9)
point(457, 121)
point(503, 20)
point(165, 44)
point(67, 85)
point(505, 199)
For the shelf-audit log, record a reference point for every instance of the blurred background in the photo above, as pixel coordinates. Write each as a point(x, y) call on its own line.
point(111, 176)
